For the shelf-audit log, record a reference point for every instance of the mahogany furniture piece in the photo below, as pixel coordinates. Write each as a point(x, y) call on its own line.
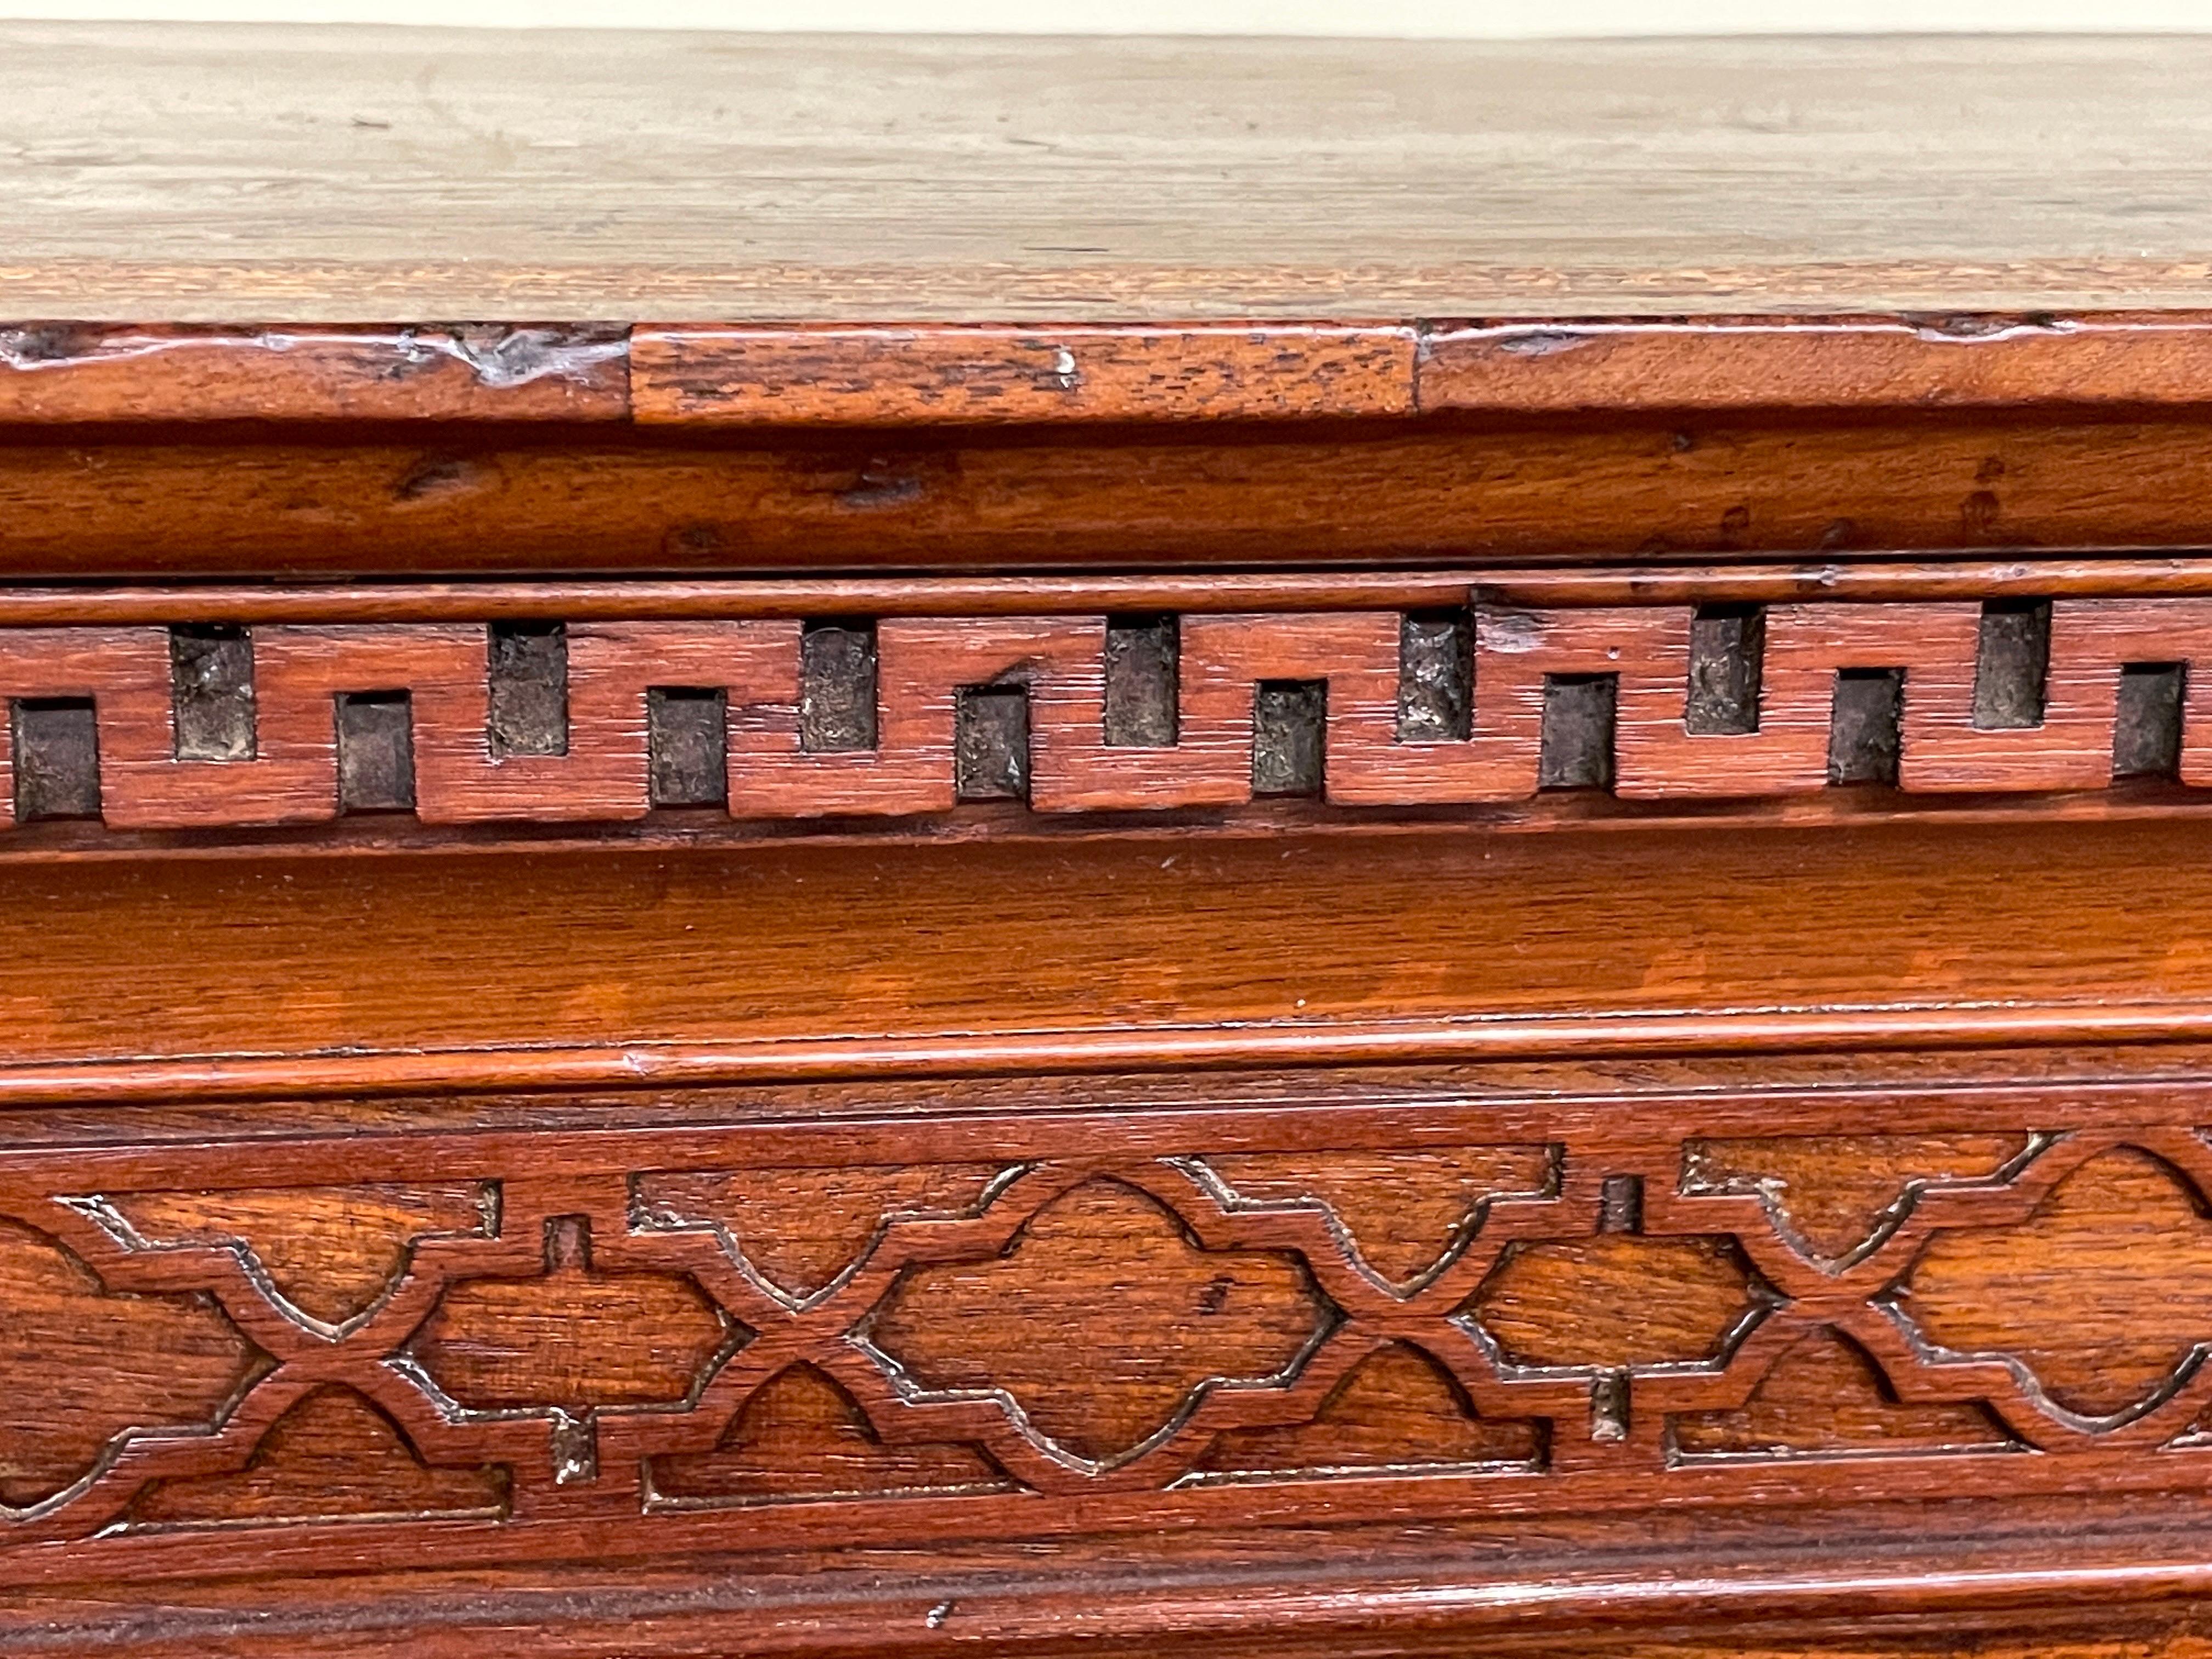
point(844, 848)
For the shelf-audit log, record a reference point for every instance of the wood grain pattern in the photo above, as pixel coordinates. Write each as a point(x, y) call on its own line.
point(1826, 1397)
point(84, 1366)
point(521, 501)
point(802, 1230)
point(1396, 1409)
point(661, 965)
point(951, 850)
point(929, 373)
point(1153, 181)
point(1617, 1304)
point(332, 1252)
point(1885, 364)
point(2089, 1357)
point(74, 373)
point(1105, 1262)
point(802, 1438)
point(1404, 1214)
point(334, 1456)
point(988, 375)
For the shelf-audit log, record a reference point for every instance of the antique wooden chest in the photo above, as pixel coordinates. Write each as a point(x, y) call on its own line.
point(831, 848)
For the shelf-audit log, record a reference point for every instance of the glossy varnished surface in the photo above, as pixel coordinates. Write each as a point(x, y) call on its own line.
point(895, 847)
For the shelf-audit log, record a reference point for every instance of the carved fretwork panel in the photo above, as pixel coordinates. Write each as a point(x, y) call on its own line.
point(801, 1230)
point(1843, 1195)
point(585, 720)
point(332, 1252)
point(1016, 1322)
point(572, 1338)
point(1403, 1214)
point(1618, 1303)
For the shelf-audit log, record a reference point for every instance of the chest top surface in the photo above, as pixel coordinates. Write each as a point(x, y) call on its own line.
point(181, 173)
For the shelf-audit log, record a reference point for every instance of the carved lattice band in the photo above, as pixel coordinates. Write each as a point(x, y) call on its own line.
point(1369, 707)
point(704, 1336)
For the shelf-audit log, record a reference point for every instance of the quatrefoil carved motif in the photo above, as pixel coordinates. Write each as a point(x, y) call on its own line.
point(1110, 1272)
point(2103, 1294)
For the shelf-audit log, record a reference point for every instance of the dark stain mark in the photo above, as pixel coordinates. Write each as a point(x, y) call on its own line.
point(991, 743)
point(2012, 663)
point(1576, 750)
point(1728, 648)
point(880, 488)
point(1143, 676)
point(2146, 733)
point(837, 686)
point(693, 541)
point(527, 663)
point(1610, 1407)
point(1620, 1205)
point(376, 752)
point(211, 693)
point(57, 758)
point(1864, 726)
point(1435, 677)
point(1289, 737)
point(688, 745)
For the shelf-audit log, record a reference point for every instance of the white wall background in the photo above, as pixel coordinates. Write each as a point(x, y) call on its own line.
point(1420, 18)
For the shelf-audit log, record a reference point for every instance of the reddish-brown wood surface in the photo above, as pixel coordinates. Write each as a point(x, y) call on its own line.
point(926, 374)
point(75, 373)
point(791, 1325)
point(1388, 963)
point(662, 1146)
point(532, 499)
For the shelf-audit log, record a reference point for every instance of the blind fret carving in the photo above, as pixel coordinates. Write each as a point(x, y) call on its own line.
point(1013, 1325)
point(1970, 700)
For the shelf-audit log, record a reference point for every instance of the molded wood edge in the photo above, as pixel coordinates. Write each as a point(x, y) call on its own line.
point(1843, 1604)
point(1897, 575)
point(663, 1064)
point(58, 373)
point(810, 376)
point(826, 374)
point(703, 374)
point(1884, 364)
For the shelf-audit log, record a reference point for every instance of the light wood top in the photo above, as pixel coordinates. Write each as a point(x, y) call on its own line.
point(283, 174)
